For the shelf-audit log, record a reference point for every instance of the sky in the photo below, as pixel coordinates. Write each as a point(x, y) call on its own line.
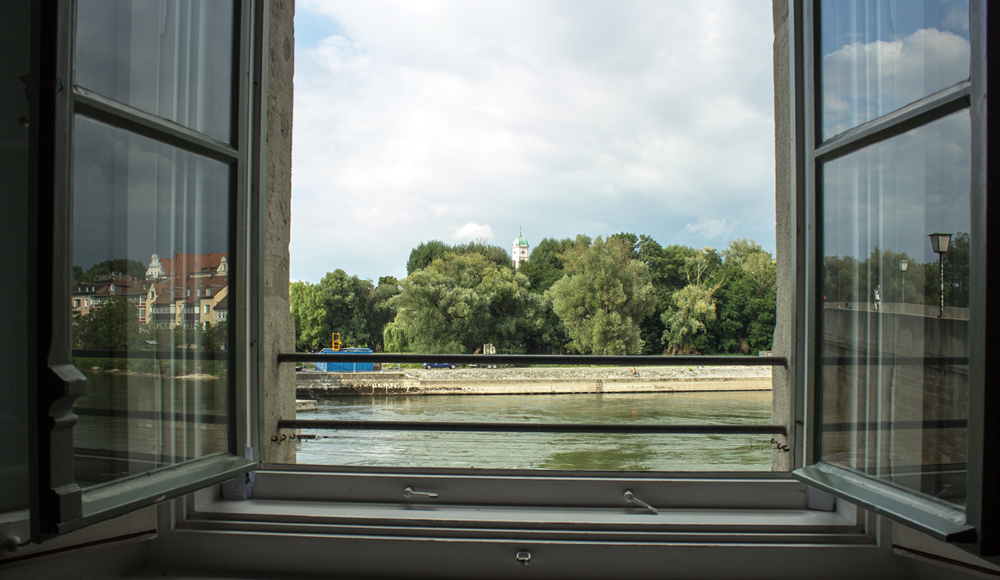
point(463, 121)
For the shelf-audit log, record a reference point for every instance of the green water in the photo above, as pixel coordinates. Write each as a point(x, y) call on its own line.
point(578, 451)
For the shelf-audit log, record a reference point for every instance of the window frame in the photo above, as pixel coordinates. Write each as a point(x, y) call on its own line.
point(976, 529)
point(468, 492)
point(57, 505)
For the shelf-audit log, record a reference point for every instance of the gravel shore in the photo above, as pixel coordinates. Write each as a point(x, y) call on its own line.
point(696, 372)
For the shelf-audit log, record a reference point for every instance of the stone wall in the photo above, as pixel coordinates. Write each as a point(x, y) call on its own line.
point(784, 238)
point(277, 392)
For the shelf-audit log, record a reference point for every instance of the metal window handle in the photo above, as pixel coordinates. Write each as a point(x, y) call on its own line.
point(409, 492)
point(630, 498)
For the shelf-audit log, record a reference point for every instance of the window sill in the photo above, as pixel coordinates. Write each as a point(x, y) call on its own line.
point(632, 526)
point(693, 509)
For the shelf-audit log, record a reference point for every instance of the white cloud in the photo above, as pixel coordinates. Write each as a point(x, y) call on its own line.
point(472, 231)
point(719, 230)
point(561, 117)
point(864, 81)
point(957, 19)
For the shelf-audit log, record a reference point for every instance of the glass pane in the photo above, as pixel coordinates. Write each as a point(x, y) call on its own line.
point(895, 347)
point(150, 255)
point(171, 58)
point(879, 55)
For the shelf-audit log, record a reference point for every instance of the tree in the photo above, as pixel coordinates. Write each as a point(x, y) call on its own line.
point(644, 248)
point(603, 298)
point(495, 254)
point(424, 254)
point(309, 313)
point(461, 301)
point(377, 310)
point(545, 266)
point(745, 300)
point(121, 266)
point(114, 325)
point(693, 306)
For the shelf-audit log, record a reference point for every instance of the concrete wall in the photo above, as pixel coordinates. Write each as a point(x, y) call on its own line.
point(784, 329)
point(277, 394)
point(311, 385)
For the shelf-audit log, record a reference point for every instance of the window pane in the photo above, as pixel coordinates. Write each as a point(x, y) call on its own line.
point(879, 55)
point(171, 58)
point(894, 389)
point(150, 224)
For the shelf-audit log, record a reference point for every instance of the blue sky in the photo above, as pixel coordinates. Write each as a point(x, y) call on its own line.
point(459, 121)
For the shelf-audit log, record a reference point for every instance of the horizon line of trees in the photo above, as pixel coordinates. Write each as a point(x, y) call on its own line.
point(623, 294)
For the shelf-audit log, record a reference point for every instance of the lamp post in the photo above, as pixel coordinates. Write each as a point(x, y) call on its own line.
point(939, 243)
point(902, 267)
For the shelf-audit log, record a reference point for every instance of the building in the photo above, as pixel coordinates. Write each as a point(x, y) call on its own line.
point(307, 521)
point(89, 295)
point(519, 250)
point(185, 289)
point(182, 290)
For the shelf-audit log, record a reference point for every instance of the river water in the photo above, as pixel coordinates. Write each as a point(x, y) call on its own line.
point(575, 451)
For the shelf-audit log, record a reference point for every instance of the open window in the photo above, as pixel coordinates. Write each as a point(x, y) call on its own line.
point(143, 134)
point(897, 272)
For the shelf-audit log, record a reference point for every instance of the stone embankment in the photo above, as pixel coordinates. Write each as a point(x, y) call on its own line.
point(532, 381)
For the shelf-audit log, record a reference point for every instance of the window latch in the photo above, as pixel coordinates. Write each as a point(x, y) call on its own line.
point(409, 492)
point(630, 498)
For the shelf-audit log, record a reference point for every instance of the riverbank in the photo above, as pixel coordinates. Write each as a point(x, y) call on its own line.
point(533, 381)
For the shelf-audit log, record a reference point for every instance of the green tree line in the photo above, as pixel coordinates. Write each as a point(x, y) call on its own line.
point(623, 294)
point(848, 279)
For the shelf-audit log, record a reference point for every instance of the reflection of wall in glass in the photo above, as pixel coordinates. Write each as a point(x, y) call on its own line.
point(894, 386)
point(878, 56)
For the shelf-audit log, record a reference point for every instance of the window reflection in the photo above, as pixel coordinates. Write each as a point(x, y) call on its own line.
point(880, 55)
point(151, 267)
point(171, 58)
point(895, 372)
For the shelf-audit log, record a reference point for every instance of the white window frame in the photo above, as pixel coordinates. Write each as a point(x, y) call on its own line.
point(477, 508)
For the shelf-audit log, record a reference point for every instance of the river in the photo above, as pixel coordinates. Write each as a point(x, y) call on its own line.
point(575, 451)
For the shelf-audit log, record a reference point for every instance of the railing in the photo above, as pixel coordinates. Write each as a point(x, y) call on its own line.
point(524, 427)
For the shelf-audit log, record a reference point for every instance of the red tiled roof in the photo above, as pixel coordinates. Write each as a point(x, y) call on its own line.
point(183, 264)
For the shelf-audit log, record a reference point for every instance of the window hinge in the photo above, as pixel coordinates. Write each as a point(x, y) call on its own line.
point(241, 486)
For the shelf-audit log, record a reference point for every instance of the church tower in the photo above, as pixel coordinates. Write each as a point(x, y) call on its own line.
point(519, 250)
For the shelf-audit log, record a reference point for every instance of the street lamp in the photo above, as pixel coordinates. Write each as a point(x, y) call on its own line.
point(903, 266)
point(939, 243)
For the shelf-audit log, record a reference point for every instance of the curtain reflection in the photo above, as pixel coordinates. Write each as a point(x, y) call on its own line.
point(171, 58)
point(151, 270)
point(895, 371)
